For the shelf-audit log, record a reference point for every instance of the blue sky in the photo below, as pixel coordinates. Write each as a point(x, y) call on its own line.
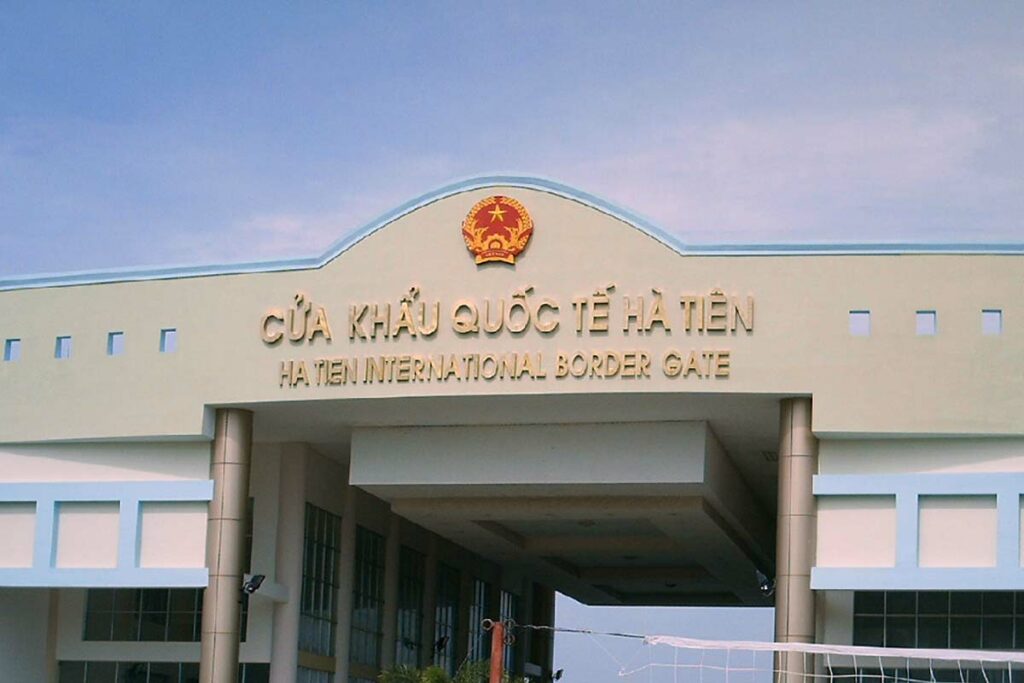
point(154, 133)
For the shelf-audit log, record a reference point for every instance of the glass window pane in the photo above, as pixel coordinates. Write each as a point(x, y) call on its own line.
point(101, 599)
point(933, 602)
point(182, 599)
point(965, 603)
point(180, 627)
point(899, 632)
point(997, 633)
point(98, 625)
point(997, 603)
point(132, 672)
point(868, 631)
point(71, 672)
point(163, 672)
point(101, 672)
point(126, 599)
point(901, 603)
point(965, 633)
point(869, 602)
point(153, 626)
point(933, 632)
point(126, 626)
point(257, 673)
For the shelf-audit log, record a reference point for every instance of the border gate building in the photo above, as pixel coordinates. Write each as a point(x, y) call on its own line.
point(500, 390)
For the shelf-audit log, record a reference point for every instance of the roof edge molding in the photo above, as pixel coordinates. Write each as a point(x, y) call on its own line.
point(517, 181)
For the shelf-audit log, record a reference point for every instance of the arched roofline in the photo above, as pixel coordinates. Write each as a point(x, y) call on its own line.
point(517, 181)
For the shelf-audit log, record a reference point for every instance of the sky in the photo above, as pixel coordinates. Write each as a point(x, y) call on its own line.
point(586, 658)
point(148, 133)
point(153, 133)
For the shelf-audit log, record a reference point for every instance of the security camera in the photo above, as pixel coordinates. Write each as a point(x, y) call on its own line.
point(765, 584)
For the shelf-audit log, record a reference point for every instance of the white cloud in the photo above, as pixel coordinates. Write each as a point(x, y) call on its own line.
point(784, 177)
point(847, 176)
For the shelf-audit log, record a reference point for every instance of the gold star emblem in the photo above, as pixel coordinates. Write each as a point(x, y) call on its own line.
point(496, 213)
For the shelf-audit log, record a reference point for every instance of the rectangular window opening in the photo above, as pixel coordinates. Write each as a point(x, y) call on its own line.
point(508, 610)
point(860, 323)
point(168, 340)
point(367, 599)
point(411, 588)
point(926, 323)
point(12, 350)
point(320, 565)
point(115, 343)
point(62, 348)
point(992, 321)
point(479, 609)
point(446, 617)
point(989, 620)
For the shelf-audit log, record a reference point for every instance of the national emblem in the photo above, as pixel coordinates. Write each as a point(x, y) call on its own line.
point(497, 229)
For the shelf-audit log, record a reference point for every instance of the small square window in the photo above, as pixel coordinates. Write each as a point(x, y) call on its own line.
point(12, 350)
point(115, 343)
point(992, 321)
point(62, 349)
point(926, 323)
point(860, 323)
point(168, 340)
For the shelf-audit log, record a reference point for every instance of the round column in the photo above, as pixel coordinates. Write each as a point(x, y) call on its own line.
point(291, 516)
point(225, 537)
point(794, 600)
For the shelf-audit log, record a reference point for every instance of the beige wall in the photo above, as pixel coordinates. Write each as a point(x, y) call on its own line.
point(891, 383)
point(856, 531)
point(545, 455)
point(24, 616)
point(913, 456)
point(953, 530)
point(957, 531)
point(105, 462)
point(17, 534)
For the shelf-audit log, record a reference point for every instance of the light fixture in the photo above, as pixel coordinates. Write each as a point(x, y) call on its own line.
point(253, 584)
point(764, 584)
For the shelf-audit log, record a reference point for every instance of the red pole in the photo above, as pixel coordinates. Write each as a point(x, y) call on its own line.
point(497, 651)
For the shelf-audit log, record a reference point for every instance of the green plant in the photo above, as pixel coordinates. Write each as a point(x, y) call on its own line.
point(470, 672)
point(434, 674)
point(401, 674)
point(473, 672)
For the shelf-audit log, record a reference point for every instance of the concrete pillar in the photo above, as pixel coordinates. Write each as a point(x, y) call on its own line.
point(389, 627)
point(430, 601)
point(542, 642)
point(291, 517)
point(794, 600)
point(53, 627)
point(225, 540)
point(464, 629)
point(346, 574)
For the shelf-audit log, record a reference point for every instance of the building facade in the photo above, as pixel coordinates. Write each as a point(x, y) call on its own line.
point(500, 390)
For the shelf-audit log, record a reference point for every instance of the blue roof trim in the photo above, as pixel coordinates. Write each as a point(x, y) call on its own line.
point(519, 181)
